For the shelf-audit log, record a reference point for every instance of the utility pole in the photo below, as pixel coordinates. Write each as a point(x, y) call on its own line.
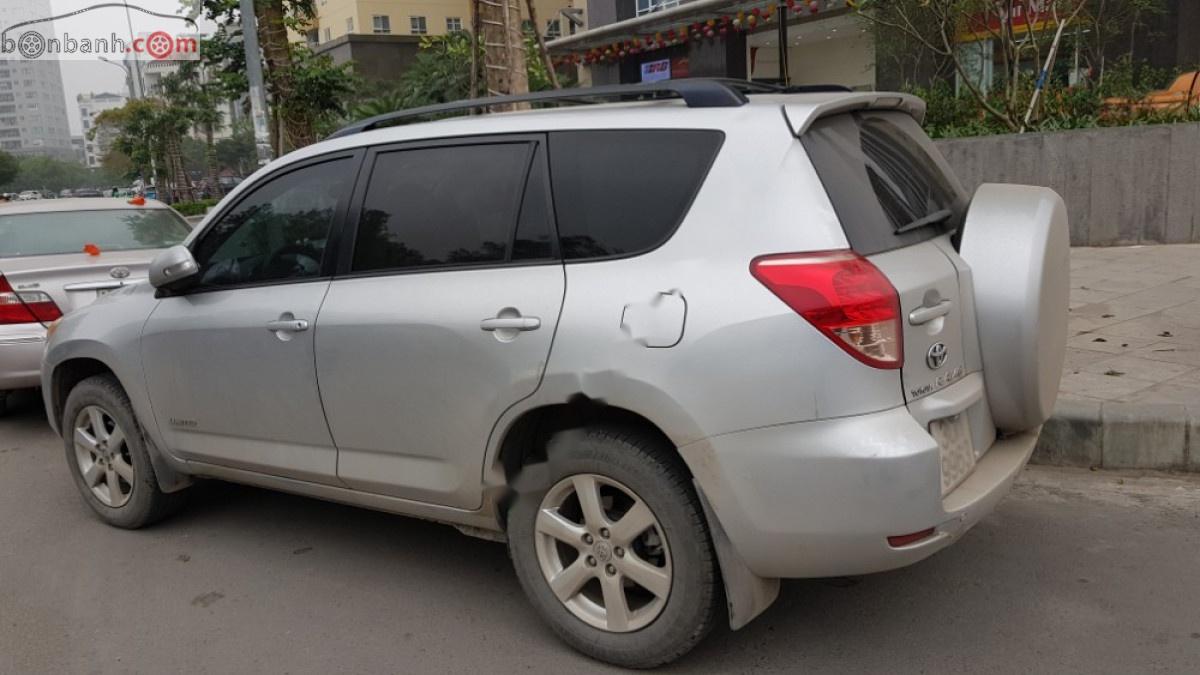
point(503, 49)
point(137, 64)
point(254, 73)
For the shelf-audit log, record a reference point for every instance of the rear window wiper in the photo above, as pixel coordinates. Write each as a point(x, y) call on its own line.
point(939, 216)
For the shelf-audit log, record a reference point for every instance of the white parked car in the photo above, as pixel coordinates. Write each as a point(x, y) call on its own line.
point(672, 350)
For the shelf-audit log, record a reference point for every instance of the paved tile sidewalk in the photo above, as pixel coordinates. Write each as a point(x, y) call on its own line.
point(1134, 326)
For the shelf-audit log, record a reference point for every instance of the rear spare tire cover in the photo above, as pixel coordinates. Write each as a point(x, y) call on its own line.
point(1017, 243)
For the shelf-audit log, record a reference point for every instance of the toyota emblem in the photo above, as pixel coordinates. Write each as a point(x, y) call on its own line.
point(936, 356)
point(119, 272)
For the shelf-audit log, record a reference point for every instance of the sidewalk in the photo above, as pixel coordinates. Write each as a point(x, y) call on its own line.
point(1134, 327)
point(1130, 391)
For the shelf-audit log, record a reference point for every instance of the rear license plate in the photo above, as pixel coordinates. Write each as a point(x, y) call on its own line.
point(953, 436)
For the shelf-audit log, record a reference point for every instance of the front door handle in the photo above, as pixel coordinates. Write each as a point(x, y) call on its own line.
point(287, 325)
point(511, 323)
point(923, 315)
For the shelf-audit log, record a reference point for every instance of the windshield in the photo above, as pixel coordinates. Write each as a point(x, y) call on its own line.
point(51, 233)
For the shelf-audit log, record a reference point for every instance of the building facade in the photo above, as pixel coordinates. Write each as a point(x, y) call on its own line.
point(803, 42)
point(336, 18)
point(382, 37)
point(33, 111)
point(808, 42)
point(96, 144)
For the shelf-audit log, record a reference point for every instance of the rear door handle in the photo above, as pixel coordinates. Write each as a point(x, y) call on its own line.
point(287, 325)
point(922, 315)
point(511, 323)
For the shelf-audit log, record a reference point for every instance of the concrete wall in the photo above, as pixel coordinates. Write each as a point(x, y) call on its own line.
point(1126, 185)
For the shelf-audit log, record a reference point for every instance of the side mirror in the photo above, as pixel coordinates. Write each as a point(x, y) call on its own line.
point(172, 266)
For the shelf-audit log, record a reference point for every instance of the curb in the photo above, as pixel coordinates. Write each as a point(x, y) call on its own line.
point(1112, 435)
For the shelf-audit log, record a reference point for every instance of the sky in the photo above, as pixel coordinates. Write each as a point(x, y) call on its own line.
point(87, 74)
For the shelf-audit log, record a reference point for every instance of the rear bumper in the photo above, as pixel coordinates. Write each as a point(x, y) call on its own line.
point(21, 349)
point(819, 499)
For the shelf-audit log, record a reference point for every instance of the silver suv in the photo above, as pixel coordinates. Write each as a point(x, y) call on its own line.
point(672, 350)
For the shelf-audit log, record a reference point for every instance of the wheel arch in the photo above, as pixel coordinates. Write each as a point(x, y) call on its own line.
point(525, 438)
point(525, 441)
point(73, 370)
point(65, 376)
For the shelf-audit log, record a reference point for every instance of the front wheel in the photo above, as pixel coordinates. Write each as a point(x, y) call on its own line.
point(609, 542)
point(108, 456)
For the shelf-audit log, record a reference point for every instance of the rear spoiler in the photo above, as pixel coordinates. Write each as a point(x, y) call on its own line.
point(801, 117)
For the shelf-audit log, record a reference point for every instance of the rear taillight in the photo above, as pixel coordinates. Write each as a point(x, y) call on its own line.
point(25, 306)
point(844, 296)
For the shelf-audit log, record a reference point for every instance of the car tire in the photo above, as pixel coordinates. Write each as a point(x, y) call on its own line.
point(108, 455)
point(629, 469)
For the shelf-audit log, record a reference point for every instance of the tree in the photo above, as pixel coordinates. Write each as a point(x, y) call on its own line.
point(503, 47)
point(914, 35)
point(39, 172)
point(199, 101)
point(150, 132)
point(305, 90)
point(1110, 23)
point(547, 64)
point(1021, 38)
point(9, 167)
point(320, 91)
point(441, 73)
point(238, 153)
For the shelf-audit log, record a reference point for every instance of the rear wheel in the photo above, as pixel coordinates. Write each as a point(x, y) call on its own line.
point(609, 542)
point(108, 457)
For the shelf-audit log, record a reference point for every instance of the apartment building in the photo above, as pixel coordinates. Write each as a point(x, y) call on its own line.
point(33, 111)
point(336, 18)
point(91, 105)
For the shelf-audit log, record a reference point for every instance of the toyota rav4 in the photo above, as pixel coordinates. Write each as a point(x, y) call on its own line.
point(671, 349)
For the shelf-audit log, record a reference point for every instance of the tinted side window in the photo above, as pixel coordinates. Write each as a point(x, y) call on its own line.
point(449, 205)
point(623, 192)
point(886, 188)
point(534, 238)
point(278, 231)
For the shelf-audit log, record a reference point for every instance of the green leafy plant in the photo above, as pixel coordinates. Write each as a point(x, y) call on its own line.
point(441, 73)
point(196, 208)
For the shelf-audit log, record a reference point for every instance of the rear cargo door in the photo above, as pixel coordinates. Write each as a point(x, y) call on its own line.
point(900, 209)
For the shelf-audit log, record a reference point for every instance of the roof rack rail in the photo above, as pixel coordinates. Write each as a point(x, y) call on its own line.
point(697, 93)
point(752, 87)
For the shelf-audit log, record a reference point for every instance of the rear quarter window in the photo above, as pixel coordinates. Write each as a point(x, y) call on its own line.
point(619, 193)
point(886, 184)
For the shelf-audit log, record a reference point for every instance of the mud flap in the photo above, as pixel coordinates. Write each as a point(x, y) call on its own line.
point(746, 594)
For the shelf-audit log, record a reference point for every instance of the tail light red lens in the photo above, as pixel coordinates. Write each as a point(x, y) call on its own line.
point(25, 306)
point(844, 296)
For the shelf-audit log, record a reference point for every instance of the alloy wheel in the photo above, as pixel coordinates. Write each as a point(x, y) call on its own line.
point(603, 553)
point(102, 456)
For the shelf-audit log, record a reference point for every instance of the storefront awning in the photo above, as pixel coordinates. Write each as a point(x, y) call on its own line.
point(678, 24)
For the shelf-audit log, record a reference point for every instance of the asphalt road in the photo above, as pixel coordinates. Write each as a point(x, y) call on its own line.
point(1076, 572)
